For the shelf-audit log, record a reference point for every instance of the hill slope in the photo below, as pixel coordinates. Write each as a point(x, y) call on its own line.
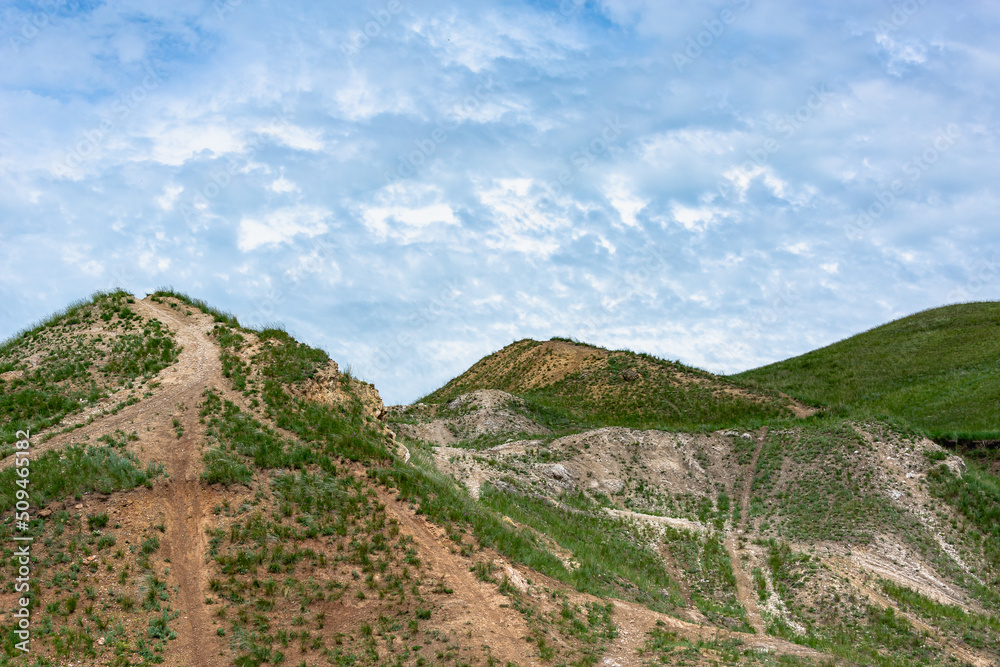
point(200, 493)
point(938, 370)
point(570, 385)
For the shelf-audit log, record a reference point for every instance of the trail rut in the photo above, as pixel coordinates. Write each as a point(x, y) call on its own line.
point(182, 497)
point(745, 592)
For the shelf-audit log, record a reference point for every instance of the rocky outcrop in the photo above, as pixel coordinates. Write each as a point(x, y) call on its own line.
point(329, 385)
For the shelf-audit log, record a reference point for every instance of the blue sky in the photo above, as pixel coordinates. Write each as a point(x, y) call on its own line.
point(412, 185)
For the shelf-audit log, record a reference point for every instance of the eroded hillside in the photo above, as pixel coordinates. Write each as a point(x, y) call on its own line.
point(820, 531)
point(206, 494)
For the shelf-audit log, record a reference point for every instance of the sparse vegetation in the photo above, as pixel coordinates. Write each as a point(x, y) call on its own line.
point(318, 553)
point(569, 397)
point(63, 369)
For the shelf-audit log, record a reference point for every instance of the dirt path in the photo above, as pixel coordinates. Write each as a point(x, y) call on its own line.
point(745, 592)
point(197, 367)
point(798, 408)
point(182, 497)
point(635, 622)
point(496, 625)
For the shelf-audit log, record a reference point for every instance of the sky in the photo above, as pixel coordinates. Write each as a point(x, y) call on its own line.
point(411, 185)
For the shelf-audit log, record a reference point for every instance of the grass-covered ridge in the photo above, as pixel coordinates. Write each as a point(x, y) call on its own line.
point(938, 370)
point(75, 357)
point(572, 386)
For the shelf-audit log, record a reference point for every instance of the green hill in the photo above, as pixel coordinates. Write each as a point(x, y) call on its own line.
point(938, 370)
point(571, 385)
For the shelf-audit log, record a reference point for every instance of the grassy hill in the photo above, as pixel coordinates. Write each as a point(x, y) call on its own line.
point(203, 493)
point(570, 385)
point(938, 370)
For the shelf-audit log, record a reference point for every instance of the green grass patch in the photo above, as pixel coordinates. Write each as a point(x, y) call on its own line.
point(976, 630)
point(612, 560)
point(938, 370)
point(976, 495)
point(825, 494)
point(73, 369)
point(219, 315)
point(76, 470)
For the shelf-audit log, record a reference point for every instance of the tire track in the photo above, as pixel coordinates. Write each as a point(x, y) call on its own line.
point(745, 592)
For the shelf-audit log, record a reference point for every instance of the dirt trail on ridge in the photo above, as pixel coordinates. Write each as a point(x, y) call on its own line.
point(495, 624)
point(184, 497)
point(184, 500)
point(745, 592)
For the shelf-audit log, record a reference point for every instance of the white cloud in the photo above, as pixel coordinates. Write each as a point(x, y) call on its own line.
point(281, 226)
point(901, 52)
point(628, 205)
point(361, 98)
point(176, 143)
point(741, 177)
point(293, 136)
point(693, 218)
point(169, 197)
point(406, 223)
point(678, 146)
point(282, 186)
point(800, 248)
point(519, 222)
point(406, 212)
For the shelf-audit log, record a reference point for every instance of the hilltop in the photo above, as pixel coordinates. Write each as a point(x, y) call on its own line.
point(568, 385)
point(938, 370)
point(724, 502)
point(204, 493)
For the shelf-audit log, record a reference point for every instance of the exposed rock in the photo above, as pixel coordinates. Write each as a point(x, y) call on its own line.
point(481, 412)
point(613, 485)
point(327, 385)
point(559, 472)
point(631, 375)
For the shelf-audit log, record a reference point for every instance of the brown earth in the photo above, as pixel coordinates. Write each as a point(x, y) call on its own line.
point(604, 460)
point(745, 592)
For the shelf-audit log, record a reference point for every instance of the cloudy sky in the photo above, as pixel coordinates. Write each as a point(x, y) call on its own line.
point(411, 185)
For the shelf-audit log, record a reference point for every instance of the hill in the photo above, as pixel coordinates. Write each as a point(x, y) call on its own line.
point(845, 532)
point(197, 492)
point(938, 370)
point(570, 385)
point(200, 493)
